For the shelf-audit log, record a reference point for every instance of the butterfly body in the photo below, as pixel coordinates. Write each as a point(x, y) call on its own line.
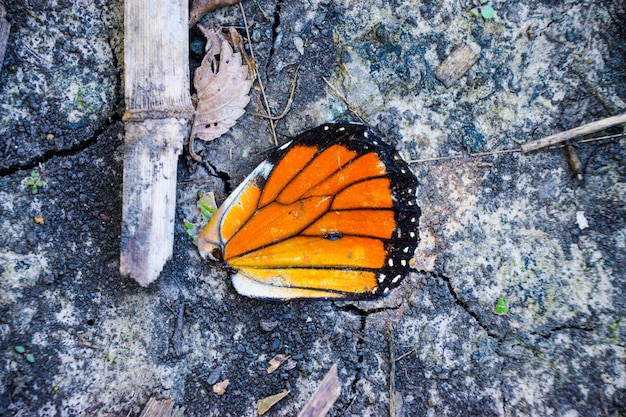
point(330, 215)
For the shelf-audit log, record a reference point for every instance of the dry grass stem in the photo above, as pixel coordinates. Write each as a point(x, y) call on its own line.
point(256, 74)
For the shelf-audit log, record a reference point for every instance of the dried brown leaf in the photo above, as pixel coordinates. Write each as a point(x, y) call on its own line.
point(222, 83)
point(200, 7)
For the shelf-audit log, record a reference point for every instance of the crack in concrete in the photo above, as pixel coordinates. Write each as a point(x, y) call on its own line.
point(459, 302)
point(61, 153)
point(360, 344)
point(85, 144)
point(499, 339)
point(223, 176)
point(352, 309)
point(547, 334)
point(275, 26)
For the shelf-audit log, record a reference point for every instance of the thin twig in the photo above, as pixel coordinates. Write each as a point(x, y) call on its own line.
point(573, 133)
point(404, 355)
point(289, 101)
point(237, 40)
point(195, 181)
point(392, 375)
point(504, 151)
point(471, 155)
point(261, 10)
point(601, 138)
point(266, 103)
point(343, 98)
point(193, 153)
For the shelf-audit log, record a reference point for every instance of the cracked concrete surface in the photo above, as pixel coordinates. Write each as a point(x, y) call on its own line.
point(503, 226)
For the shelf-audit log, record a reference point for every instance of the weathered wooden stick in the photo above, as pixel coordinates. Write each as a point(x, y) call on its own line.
point(162, 408)
point(158, 109)
point(572, 133)
point(324, 396)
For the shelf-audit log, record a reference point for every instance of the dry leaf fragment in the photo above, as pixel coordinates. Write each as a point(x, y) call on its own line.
point(263, 405)
point(290, 364)
point(276, 361)
point(220, 387)
point(222, 83)
point(201, 7)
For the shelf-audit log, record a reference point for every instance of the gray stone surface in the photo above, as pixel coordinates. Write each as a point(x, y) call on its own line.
point(497, 226)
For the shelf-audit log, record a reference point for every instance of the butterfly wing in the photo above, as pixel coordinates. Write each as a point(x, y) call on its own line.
point(331, 214)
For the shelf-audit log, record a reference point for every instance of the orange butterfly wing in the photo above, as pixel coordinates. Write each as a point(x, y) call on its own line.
point(331, 214)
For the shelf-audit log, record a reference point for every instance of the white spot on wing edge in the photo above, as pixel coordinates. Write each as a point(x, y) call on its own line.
point(285, 145)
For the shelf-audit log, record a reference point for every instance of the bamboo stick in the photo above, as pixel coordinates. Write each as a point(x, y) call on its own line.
point(158, 109)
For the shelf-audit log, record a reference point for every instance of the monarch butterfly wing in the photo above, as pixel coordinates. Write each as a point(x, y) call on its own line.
point(330, 215)
point(236, 208)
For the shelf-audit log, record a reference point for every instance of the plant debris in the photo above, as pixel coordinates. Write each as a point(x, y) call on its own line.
point(201, 7)
point(220, 387)
point(324, 396)
point(222, 83)
point(162, 408)
point(501, 307)
point(276, 361)
point(456, 65)
point(264, 404)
